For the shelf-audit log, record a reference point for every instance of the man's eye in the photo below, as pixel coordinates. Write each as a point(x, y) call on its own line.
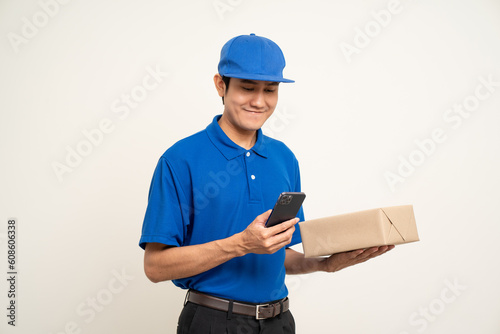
point(270, 90)
point(247, 88)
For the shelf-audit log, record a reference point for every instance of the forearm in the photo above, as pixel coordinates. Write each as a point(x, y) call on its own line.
point(171, 263)
point(296, 263)
point(163, 263)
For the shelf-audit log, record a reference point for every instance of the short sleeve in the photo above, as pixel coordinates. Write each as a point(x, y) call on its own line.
point(166, 215)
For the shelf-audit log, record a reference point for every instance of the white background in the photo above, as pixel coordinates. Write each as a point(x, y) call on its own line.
point(349, 118)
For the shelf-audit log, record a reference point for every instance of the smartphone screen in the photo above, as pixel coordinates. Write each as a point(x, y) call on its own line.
point(287, 206)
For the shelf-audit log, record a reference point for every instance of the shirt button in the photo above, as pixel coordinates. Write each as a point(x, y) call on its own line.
point(248, 154)
point(252, 177)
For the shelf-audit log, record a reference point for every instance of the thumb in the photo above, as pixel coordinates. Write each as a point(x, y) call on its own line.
point(262, 218)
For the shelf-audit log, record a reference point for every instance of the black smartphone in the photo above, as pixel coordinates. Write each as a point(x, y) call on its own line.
point(287, 206)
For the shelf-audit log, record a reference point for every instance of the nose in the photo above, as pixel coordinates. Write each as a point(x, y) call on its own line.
point(258, 100)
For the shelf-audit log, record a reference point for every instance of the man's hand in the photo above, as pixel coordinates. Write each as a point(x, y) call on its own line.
point(162, 262)
point(259, 239)
point(343, 260)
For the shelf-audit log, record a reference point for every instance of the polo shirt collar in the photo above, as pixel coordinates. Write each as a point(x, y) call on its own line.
point(227, 147)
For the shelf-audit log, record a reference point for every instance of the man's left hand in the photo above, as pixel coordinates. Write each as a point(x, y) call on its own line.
point(343, 260)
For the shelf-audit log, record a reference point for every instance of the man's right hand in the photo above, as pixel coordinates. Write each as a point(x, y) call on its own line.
point(259, 239)
point(162, 262)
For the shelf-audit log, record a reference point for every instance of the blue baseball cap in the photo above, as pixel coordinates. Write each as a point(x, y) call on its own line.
point(252, 57)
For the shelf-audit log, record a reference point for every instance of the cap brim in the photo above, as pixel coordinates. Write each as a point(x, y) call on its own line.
point(258, 77)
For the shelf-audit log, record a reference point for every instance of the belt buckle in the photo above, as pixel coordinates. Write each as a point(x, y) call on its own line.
point(257, 311)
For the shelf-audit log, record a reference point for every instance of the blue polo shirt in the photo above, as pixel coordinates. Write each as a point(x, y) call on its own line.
point(205, 188)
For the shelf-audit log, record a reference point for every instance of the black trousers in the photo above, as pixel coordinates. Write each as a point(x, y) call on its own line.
point(197, 319)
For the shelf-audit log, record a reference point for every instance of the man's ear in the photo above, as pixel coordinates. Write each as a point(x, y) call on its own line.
point(219, 85)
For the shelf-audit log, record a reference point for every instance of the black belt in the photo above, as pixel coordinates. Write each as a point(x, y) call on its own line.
point(261, 311)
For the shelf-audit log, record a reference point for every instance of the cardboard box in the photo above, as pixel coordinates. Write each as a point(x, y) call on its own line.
point(383, 226)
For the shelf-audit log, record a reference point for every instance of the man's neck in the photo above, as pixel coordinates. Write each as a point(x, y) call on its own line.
point(243, 138)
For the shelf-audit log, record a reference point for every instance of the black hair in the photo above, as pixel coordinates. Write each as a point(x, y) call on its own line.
point(226, 82)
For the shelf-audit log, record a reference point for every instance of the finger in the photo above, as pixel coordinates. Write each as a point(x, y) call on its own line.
point(381, 251)
point(262, 218)
point(279, 228)
point(281, 244)
point(374, 252)
point(283, 237)
point(265, 215)
point(351, 254)
point(358, 254)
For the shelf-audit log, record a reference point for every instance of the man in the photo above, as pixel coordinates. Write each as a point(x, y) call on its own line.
point(204, 227)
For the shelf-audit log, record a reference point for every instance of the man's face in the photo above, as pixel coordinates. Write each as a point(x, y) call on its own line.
point(249, 103)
